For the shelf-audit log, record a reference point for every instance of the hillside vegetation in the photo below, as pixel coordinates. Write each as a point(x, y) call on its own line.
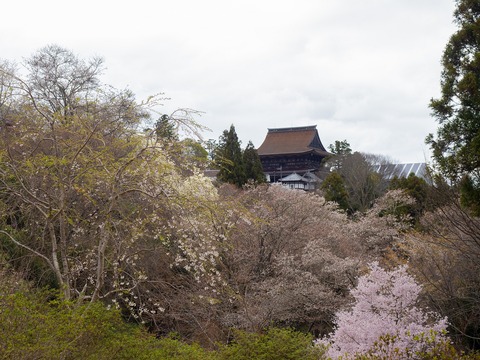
point(114, 245)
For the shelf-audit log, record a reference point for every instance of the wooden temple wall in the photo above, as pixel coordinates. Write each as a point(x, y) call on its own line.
point(290, 164)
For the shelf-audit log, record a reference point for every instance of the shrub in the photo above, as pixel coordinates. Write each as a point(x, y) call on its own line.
point(38, 325)
point(272, 345)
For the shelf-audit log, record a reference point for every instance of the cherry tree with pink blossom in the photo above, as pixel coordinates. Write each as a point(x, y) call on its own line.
point(385, 308)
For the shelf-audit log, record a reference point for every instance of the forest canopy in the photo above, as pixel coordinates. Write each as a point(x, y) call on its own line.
point(108, 222)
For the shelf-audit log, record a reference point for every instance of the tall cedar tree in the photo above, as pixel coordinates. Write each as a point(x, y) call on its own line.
point(165, 129)
point(334, 186)
point(253, 165)
point(229, 158)
point(456, 146)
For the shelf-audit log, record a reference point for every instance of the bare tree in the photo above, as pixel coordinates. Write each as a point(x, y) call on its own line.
point(447, 257)
point(355, 182)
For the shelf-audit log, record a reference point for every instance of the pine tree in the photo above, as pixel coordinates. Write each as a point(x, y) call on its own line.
point(456, 146)
point(253, 165)
point(165, 129)
point(229, 159)
point(334, 190)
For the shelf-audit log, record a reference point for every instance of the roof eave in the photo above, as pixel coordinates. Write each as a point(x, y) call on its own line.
point(319, 152)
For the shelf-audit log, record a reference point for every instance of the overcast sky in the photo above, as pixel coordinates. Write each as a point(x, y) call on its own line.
point(363, 71)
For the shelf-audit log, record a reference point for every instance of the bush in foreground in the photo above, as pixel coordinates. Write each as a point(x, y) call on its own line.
point(36, 325)
point(274, 344)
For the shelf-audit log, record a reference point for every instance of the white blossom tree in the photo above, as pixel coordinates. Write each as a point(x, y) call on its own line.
point(88, 196)
point(289, 248)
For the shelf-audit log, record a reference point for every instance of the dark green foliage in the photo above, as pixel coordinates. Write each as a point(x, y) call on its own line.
point(334, 186)
point(456, 146)
point(236, 167)
point(413, 185)
point(40, 325)
point(418, 189)
point(253, 165)
point(33, 326)
point(340, 148)
point(165, 129)
point(470, 195)
point(229, 159)
point(37, 325)
point(274, 344)
point(334, 190)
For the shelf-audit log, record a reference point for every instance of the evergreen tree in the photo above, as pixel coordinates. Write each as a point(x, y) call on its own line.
point(418, 189)
point(229, 158)
point(334, 190)
point(456, 146)
point(340, 147)
point(253, 165)
point(339, 151)
point(165, 129)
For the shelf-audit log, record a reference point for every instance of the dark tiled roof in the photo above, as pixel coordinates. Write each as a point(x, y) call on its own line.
point(294, 140)
point(308, 178)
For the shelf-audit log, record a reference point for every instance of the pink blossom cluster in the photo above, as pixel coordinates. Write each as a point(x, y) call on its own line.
point(385, 306)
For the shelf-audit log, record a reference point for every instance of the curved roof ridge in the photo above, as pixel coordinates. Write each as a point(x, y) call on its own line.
point(289, 129)
point(292, 140)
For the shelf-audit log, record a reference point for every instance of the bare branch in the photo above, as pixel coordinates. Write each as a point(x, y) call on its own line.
point(16, 242)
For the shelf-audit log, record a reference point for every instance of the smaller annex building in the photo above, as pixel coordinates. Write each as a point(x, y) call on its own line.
point(294, 150)
point(296, 181)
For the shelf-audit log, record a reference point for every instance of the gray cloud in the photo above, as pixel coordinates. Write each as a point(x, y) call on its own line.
point(361, 71)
